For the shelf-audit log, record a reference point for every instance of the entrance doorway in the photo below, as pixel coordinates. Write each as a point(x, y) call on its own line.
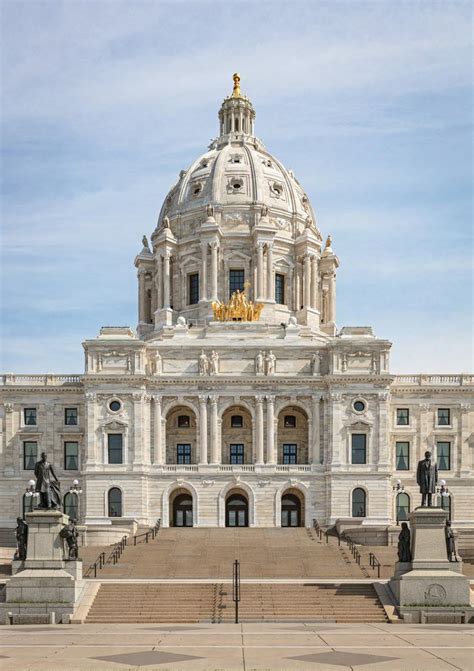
point(183, 511)
point(290, 511)
point(236, 511)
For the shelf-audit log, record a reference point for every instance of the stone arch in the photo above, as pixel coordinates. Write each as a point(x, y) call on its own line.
point(229, 488)
point(182, 486)
point(237, 435)
point(230, 402)
point(303, 491)
point(176, 435)
point(299, 435)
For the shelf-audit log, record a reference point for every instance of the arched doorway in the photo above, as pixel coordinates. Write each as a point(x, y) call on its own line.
point(182, 510)
point(237, 510)
point(290, 510)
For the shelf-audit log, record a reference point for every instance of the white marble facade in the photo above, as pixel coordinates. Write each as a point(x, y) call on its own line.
point(237, 215)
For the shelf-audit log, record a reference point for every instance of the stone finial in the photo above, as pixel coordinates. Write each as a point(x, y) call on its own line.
point(328, 242)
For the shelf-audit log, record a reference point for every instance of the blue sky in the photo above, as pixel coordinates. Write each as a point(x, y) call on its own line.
point(103, 103)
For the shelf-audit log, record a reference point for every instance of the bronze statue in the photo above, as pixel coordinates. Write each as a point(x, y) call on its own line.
point(70, 534)
point(450, 546)
point(404, 543)
point(21, 534)
point(47, 484)
point(427, 479)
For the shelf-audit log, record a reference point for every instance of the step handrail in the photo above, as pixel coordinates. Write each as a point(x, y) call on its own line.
point(152, 531)
point(374, 563)
point(100, 562)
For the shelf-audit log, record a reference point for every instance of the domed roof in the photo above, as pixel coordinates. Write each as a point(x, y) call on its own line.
point(238, 174)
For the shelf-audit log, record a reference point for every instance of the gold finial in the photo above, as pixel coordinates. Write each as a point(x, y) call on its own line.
point(236, 91)
point(328, 242)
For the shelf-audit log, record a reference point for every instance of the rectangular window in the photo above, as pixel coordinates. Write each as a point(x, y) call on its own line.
point(183, 454)
point(71, 455)
point(236, 281)
point(443, 455)
point(236, 454)
point(115, 448)
point(183, 422)
point(403, 416)
point(444, 417)
point(193, 288)
point(236, 421)
point(70, 416)
point(279, 288)
point(290, 422)
point(402, 455)
point(29, 415)
point(359, 448)
point(290, 452)
point(30, 455)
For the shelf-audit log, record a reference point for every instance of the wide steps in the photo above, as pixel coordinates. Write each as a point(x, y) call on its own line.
point(171, 602)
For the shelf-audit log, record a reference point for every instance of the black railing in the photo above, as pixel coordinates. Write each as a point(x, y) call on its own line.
point(236, 588)
point(151, 533)
point(100, 562)
point(374, 563)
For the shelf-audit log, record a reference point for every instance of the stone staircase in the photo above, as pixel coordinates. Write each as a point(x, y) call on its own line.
point(212, 602)
point(7, 538)
point(209, 553)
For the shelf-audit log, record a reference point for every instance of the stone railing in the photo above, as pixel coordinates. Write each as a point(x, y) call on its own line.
point(181, 468)
point(38, 380)
point(292, 468)
point(433, 380)
point(236, 467)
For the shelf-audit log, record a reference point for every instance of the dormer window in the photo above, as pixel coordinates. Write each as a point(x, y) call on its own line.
point(197, 188)
point(267, 163)
point(236, 158)
point(237, 185)
point(277, 189)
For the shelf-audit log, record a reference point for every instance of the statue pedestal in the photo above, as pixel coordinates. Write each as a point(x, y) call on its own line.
point(430, 587)
point(44, 583)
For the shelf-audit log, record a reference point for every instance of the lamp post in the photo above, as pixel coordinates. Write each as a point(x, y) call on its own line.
point(399, 488)
point(76, 490)
point(31, 493)
point(443, 491)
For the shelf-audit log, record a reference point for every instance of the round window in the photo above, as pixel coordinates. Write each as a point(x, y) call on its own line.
point(115, 406)
point(359, 406)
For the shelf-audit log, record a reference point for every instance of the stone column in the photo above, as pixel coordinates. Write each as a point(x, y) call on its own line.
point(214, 269)
point(307, 282)
point(463, 444)
point(203, 278)
point(215, 437)
point(203, 429)
point(315, 452)
point(141, 295)
point(314, 283)
point(166, 281)
point(90, 429)
point(259, 432)
point(332, 297)
point(138, 399)
point(260, 295)
point(270, 430)
point(157, 432)
point(270, 281)
point(297, 276)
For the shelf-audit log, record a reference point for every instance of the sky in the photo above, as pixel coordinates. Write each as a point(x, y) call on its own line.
point(103, 103)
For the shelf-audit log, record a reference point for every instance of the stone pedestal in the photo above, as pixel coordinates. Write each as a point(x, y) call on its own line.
point(44, 583)
point(430, 582)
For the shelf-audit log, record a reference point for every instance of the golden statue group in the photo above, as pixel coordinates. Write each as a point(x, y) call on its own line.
point(238, 308)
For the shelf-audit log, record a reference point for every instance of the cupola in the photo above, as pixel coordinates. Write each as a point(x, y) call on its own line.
point(236, 114)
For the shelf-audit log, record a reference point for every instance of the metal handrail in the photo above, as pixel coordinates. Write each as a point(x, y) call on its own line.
point(100, 562)
point(151, 532)
point(374, 563)
point(236, 588)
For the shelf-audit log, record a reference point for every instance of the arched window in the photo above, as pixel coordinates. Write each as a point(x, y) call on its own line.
point(402, 507)
point(446, 505)
point(70, 505)
point(27, 504)
point(115, 502)
point(358, 502)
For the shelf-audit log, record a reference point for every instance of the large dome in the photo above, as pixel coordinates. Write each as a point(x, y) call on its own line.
point(238, 176)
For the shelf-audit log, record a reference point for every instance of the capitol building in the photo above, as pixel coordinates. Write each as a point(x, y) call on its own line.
point(237, 400)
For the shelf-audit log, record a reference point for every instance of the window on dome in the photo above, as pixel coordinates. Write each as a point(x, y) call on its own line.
point(193, 288)
point(236, 281)
point(237, 184)
point(279, 288)
point(197, 188)
point(277, 189)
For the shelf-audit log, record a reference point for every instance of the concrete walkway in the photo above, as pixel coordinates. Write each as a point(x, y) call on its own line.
point(243, 647)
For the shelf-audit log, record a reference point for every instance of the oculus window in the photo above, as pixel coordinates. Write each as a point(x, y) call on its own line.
point(237, 454)
point(70, 416)
point(193, 288)
point(359, 406)
point(359, 448)
point(115, 406)
point(30, 455)
point(236, 281)
point(290, 453)
point(279, 288)
point(29, 416)
point(444, 417)
point(183, 453)
point(403, 416)
point(443, 455)
point(71, 455)
point(402, 455)
point(115, 448)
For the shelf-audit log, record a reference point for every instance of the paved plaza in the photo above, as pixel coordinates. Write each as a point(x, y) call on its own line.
point(240, 647)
